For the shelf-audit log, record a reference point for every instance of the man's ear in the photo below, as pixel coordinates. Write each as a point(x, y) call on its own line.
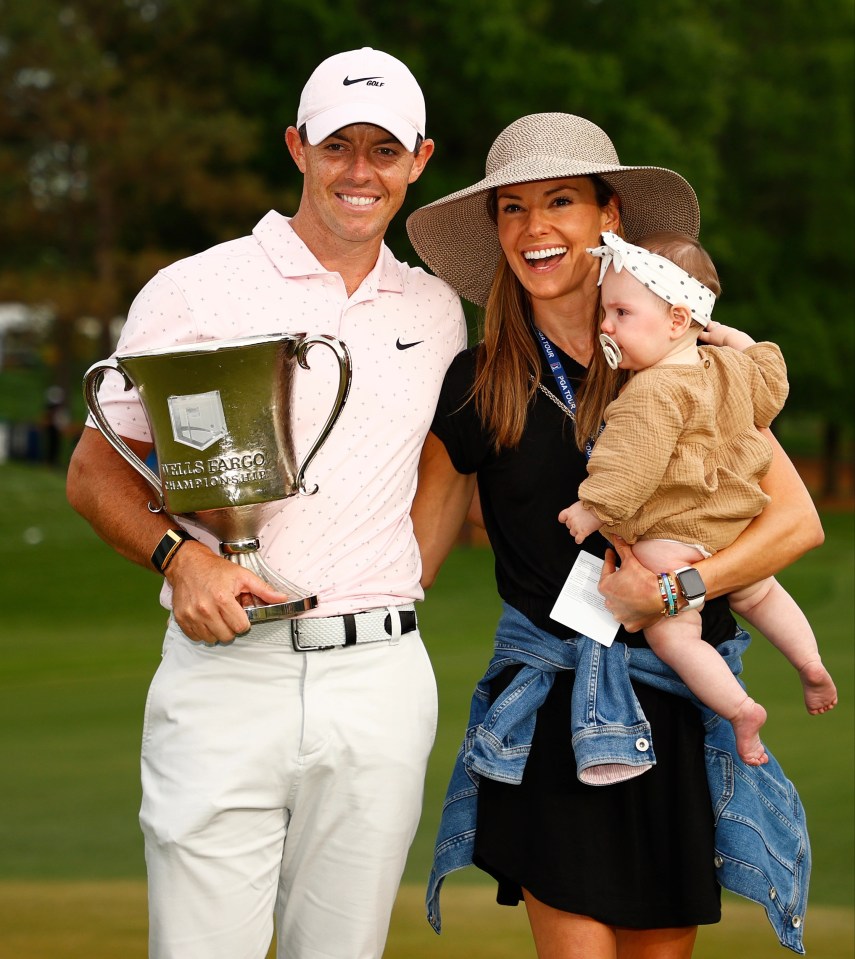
point(421, 159)
point(681, 320)
point(295, 148)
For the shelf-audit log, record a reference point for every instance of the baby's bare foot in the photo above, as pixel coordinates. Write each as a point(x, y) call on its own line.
point(819, 689)
point(746, 725)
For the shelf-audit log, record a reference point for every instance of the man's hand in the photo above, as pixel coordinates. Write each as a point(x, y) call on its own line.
point(580, 521)
point(631, 592)
point(207, 594)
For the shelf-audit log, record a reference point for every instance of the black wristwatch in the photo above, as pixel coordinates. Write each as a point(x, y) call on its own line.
point(173, 540)
point(691, 586)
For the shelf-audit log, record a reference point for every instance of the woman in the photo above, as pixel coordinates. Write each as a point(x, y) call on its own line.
point(623, 870)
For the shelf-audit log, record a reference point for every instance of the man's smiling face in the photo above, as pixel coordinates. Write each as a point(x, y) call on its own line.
point(355, 181)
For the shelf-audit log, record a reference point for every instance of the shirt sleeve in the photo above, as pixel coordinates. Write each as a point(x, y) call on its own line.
point(159, 317)
point(462, 333)
point(769, 386)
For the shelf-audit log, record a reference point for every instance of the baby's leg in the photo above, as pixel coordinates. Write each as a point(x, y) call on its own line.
point(676, 640)
point(769, 608)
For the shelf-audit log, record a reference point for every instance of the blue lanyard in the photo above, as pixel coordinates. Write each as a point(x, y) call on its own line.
point(562, 380)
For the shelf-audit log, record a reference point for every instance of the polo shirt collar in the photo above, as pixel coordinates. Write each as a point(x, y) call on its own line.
point(292, 258)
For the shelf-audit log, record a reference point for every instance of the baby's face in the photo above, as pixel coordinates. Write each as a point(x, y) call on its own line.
point(637, 320)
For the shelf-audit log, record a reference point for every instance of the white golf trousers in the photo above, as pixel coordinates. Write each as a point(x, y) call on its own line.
point(281, 783)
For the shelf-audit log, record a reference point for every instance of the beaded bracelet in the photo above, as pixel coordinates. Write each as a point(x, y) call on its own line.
point(669, 598)
point(673, 608)
point(672, 580)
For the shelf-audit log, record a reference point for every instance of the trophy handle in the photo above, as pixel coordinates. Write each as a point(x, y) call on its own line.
point(91, 381)
point(344, 367)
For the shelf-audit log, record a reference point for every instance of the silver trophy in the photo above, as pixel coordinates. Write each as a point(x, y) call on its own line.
point(220, 417)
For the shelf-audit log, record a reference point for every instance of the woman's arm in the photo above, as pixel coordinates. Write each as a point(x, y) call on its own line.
point(475, 516)
point(443, 498)
point(786, 529)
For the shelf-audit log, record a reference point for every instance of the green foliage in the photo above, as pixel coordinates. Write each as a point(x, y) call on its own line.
point(136, 132)
point(785, 242)
point(112, 163)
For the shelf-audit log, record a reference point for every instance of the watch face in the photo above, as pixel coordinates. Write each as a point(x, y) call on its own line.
point(691, 583)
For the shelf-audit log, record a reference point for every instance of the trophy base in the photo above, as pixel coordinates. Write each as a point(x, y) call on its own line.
point(245, 553)
point(277, 611)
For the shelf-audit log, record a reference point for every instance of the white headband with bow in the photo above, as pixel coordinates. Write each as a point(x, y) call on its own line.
point(659, 274)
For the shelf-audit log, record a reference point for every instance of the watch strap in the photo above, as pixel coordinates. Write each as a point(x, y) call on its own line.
point(173, 540)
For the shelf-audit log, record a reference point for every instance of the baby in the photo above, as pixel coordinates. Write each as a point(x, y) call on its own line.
point(676, 470)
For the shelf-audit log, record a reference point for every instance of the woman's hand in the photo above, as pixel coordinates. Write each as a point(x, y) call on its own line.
point(631, 592)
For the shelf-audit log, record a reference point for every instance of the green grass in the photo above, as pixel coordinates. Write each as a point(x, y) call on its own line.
point(108, 921)
point(80, 639)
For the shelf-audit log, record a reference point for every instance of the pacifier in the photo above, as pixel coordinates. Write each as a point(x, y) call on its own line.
point(611, 350)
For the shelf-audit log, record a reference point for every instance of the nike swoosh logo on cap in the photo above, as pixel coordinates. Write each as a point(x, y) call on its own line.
point(348, 82)
point(407, 346)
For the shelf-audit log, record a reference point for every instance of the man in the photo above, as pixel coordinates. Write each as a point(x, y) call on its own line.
point(276, 779)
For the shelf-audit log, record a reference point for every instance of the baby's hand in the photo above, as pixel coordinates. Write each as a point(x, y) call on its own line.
point(717, 334)
point(580, 521)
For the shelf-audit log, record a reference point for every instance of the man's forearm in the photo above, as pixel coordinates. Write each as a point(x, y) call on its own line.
point(113, 498)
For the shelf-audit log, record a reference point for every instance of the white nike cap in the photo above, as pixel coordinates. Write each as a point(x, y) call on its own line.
point(362, 86)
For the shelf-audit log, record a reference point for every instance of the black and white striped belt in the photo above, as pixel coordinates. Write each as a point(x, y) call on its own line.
point(307, 634)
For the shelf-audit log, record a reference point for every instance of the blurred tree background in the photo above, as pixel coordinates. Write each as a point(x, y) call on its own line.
point(134, 132)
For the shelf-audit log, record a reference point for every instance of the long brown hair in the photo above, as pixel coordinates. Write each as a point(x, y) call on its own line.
point(507, 370)
point(600, 386)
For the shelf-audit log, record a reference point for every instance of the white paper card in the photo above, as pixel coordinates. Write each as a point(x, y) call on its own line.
point(580, 605)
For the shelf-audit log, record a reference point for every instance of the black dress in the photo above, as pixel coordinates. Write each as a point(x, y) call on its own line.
point(637, 854)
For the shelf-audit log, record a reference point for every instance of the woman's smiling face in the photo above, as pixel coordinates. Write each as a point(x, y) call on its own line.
point(545, 228)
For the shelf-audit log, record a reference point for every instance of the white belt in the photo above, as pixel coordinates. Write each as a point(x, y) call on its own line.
point(384, 624)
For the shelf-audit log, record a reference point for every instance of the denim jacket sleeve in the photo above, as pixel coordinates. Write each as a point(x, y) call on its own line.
point(762, 849)
point(761, 845)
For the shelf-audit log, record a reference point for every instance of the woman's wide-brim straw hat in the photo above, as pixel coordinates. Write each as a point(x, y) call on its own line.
point(457, 238)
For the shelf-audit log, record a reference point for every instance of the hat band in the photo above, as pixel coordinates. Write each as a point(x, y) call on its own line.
point(659, 274)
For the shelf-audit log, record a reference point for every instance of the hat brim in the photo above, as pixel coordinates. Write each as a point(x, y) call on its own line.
point(458, 239)
point(355, 111)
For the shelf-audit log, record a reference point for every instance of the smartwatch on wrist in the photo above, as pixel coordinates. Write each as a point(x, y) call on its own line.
point(691, 586)
point(173, 540)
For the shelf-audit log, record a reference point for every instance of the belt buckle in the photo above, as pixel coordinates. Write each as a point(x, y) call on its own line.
point(298, 647)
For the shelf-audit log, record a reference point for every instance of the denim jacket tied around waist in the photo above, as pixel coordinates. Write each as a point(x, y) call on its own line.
point(762, 850)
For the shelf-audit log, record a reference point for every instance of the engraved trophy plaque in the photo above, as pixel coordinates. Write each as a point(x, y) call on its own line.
point(220, 417)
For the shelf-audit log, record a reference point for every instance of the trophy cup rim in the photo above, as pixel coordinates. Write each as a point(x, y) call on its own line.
point(212, 346)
